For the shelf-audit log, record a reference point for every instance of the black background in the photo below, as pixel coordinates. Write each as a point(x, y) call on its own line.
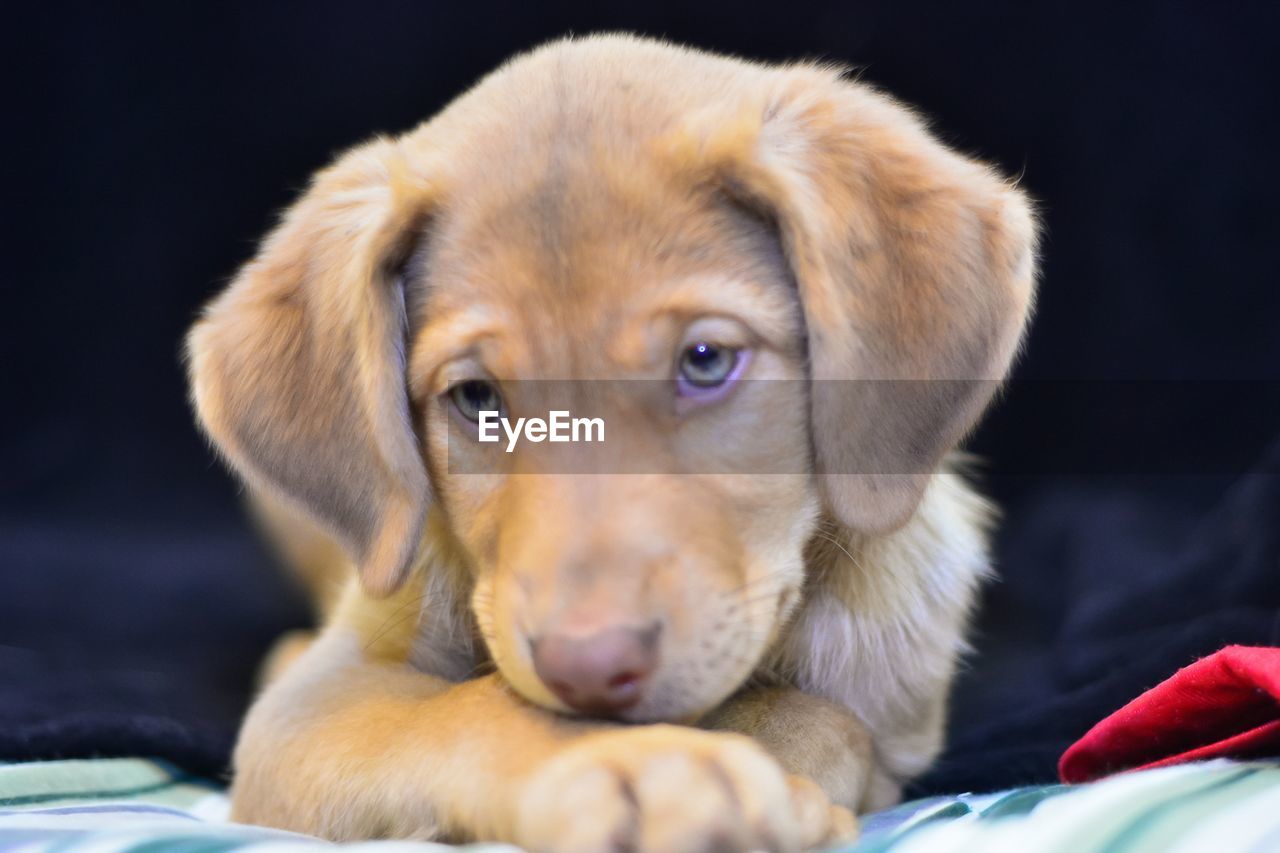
point(146, 148)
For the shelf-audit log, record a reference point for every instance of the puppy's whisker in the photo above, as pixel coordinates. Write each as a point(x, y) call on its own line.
point(393, 619)
point(827, 537)
point(428, 604)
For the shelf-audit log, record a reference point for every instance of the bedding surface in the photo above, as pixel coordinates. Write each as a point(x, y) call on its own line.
point(134, 805)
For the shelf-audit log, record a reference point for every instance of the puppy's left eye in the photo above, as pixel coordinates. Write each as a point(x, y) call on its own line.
point(705, 367)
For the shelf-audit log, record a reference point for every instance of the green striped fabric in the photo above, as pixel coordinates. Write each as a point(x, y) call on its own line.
point(1210, 807)
point(139, 806)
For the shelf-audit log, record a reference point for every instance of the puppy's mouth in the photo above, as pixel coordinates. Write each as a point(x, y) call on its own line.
point(637, 672)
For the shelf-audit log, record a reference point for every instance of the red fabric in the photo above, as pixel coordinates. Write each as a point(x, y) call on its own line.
point(1227, 704)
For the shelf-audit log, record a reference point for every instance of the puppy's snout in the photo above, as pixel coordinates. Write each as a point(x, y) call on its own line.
point(601, 673)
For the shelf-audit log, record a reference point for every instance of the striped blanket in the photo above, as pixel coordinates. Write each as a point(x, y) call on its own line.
point(138, 806)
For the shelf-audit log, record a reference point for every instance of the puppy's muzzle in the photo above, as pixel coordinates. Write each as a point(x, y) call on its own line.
point(600, 673)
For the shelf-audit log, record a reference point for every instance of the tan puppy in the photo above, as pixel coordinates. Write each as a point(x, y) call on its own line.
point(777, 585)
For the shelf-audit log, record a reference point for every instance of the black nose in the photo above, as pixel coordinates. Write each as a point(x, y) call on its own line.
point(601, 673)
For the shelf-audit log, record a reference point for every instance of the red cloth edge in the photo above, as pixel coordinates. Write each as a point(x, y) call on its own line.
point(1225, 704)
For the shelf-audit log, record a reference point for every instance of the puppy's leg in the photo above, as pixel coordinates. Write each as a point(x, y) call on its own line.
point(313, 559)
point(348, 748)
point(284, 651)
point(309, 554)
point(810, 737)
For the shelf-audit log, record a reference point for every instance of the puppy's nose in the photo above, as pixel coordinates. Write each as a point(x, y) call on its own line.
point(601, 673)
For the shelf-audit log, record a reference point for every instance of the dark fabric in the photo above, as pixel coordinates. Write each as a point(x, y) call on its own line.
point(1105, 592)
point(1226, 705)
point(147, 147)
point(120, 639)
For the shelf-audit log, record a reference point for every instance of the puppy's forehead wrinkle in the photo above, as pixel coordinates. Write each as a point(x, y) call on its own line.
point(585, 261)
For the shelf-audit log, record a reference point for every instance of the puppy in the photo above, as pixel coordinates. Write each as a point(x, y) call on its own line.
point(735, 621)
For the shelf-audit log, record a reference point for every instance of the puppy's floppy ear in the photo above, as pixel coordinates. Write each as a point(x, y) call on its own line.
point(915, 268)
point(298, 368)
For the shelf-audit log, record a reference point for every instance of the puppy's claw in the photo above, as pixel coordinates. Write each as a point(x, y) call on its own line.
point(821, 823)
point(844, 827)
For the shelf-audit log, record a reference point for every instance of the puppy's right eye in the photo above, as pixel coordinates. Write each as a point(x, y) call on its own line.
point(474, 396)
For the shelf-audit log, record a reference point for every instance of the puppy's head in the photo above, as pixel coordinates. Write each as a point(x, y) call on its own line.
point(595, 214)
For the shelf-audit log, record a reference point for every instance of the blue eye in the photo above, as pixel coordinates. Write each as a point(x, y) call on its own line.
point(705, 365)
point(474, 396)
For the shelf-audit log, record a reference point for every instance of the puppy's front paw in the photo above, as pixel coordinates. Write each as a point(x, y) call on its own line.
point(666, 788)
